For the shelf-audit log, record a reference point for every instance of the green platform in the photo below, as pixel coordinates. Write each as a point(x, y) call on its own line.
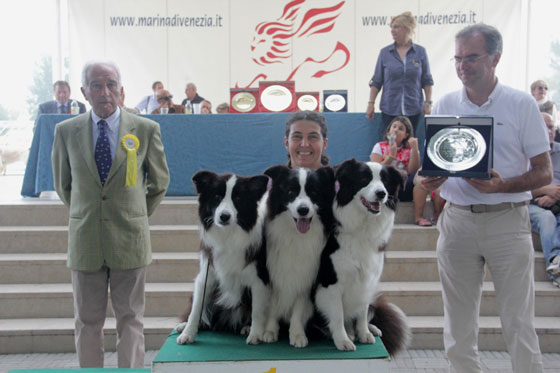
point(213, 351)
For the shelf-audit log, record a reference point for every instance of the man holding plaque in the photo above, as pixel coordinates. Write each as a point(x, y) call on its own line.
point(486, 221)
point(109, 168)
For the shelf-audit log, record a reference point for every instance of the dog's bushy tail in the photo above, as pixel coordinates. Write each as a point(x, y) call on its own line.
point(392, 322)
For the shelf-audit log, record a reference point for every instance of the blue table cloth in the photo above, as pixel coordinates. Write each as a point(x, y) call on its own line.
point(245, 144)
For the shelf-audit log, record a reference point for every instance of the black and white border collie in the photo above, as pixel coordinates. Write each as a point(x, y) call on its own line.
point(298, 221)
point(231, 290)
point(352, 262)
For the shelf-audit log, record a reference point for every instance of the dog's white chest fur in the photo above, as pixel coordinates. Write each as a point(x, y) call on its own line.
point(293, 259)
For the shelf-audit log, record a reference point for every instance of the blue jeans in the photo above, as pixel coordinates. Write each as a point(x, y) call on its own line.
point(547, 225)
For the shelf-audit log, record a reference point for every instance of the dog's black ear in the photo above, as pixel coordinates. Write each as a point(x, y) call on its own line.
point(258, 185)
point(347, 164)
point(325, 175)
point(395, 178)
point(203, 178)
point(275, 171)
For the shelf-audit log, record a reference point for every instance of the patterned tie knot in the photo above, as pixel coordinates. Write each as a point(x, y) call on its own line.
point(101, 126)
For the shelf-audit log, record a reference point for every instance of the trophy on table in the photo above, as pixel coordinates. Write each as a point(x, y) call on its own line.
point(458, 146)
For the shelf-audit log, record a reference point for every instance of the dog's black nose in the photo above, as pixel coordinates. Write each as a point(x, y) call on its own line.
point(303, 210)
point(225, 216)
point(380, 194)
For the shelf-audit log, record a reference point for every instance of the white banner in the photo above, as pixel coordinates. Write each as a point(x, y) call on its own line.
point(320, 44)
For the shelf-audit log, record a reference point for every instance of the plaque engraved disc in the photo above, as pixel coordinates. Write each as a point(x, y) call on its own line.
point(243, 102)
point(307, 102)
point(456, 148)
point(276, 98)
point(335, 102)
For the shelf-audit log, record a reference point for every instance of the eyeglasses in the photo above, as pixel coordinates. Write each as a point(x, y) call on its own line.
point(542, 88)
point(166, 98)
point(468, 59)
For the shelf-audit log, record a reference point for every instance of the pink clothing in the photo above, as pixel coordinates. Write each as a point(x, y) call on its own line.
point(403, 154)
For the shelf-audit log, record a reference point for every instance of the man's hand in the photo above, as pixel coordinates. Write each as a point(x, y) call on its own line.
point(492, 185)
point(552, 190)
point(431, 182)
point(545, 201)
point(370, 111)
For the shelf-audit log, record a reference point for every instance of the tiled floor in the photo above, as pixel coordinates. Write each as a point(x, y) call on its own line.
point(411, 361)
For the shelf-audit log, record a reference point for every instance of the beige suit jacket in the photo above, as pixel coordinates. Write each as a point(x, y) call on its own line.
point(108, 223)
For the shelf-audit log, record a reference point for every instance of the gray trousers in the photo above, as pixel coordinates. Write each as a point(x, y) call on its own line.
point(90, 308)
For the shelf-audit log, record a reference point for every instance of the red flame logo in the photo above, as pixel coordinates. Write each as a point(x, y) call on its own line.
point(272, 43)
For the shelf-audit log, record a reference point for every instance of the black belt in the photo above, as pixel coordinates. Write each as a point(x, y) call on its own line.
point(489, 208)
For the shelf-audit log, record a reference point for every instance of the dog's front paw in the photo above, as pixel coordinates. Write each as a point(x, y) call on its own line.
point(299, 340)
point(186, 338)
point(345, 344)
point(179, 328)
point(245, 330)
point(366, 337)
point(253, 339)
point(375, 330)
point(270, 336)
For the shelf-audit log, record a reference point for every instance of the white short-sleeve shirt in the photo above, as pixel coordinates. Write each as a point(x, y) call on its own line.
point(519, 134)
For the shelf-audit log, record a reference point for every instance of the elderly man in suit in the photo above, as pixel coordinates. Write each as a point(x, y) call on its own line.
point(109, 168)
point(62, 102)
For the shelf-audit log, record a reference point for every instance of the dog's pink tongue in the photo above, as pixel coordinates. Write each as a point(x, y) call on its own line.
point(303, 225)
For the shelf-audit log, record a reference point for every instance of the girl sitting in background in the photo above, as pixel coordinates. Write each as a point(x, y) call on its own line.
point(400, 151)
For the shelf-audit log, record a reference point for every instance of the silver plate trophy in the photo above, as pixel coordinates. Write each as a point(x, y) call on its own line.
point(244, 102)
point(276, 98)
point(335, 102)
point(458, 146)
point(307, 102)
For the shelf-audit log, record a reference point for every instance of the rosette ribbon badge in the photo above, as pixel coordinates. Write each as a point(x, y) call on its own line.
point(458, 146)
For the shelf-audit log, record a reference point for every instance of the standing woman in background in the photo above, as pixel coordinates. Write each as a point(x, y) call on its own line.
point(403, 71)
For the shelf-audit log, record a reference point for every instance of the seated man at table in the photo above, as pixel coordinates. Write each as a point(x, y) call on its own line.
point(192, 96)
point(205, 107)
point(149, 103)
point(166, 105)
point(62, 102)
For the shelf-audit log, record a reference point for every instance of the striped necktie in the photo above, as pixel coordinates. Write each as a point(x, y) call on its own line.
point(103, 152)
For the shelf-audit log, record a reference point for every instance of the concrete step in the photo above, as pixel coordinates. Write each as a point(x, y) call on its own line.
point(55, 300)
point(410, 237)
point(51, 268)
point(170, 299)
point(54, 239)
point(182, 238)
point(35, 211)
point(422, 266)
point(183, 267)
point(176, 238)
point(56, 335)
point(428, 333)
point(424, 298)
point(172, 210)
